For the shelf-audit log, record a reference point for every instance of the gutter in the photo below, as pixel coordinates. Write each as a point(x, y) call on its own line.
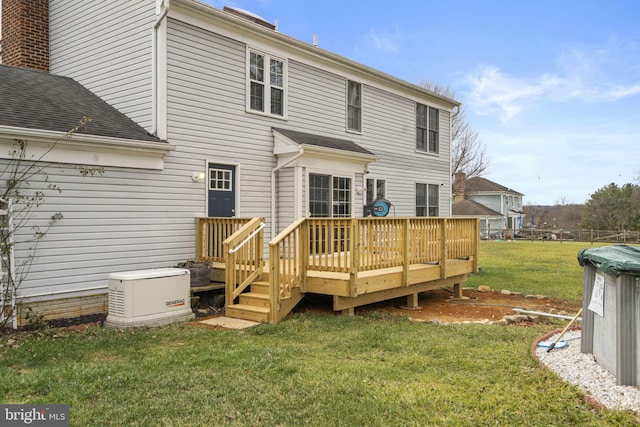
point(273, 188)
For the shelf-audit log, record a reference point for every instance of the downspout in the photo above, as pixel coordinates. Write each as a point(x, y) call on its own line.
point(273, 188)
point(154, 67)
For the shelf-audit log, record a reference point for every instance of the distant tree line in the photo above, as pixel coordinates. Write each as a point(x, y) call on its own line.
point(612, 207)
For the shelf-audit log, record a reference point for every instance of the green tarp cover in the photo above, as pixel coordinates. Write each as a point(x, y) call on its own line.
point(614, 260)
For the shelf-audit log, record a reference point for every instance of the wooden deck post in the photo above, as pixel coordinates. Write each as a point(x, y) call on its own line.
point(457, 291)
point(199, 238)
point(406, 256)
point(412, 301)
point(303, 253)
point(355, 256)
point(443, 248)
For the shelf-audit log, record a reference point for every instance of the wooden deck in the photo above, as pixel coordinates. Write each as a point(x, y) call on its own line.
point(357, 261)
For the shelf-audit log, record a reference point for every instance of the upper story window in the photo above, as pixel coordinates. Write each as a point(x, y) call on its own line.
point(427, 129)
point(354, 106)
point(266, 81)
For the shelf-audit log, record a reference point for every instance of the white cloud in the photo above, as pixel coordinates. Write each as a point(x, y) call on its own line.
point(602, 74)
point(387, 42)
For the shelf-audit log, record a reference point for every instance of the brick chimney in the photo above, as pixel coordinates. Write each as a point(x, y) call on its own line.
point(458, 186)
point(25, 33)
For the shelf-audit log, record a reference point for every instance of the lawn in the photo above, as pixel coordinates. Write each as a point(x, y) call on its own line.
point(532, 267)
point(316, 370)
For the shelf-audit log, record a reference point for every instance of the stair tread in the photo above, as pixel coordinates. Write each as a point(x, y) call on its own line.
point(255, 295)
point(247, 307)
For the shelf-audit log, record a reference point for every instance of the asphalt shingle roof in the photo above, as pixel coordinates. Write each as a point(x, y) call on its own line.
point(472, 208)
point(323, 141)
point(479, 184)
point(39, 100)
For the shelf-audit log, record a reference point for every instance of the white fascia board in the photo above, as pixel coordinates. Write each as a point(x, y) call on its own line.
point(256, 36)
point(81, 149)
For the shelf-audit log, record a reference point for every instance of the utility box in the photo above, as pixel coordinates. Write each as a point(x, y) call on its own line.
point(611, 310)
point(149, 297)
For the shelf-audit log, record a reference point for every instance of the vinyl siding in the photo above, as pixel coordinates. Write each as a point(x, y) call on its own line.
point(106, 46)
point(286, 198)
point(136, 219)
point(207, 118)
point(122, 220)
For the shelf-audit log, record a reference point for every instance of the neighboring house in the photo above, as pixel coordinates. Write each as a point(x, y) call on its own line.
point(498, 207)
point(225, 116)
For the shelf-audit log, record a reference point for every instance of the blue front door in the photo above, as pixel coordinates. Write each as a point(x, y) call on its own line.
point(221, 190)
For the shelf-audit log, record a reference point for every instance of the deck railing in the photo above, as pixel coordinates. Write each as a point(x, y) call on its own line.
point(340, 245)
point(244, 258)
point(211, 232)
point(388, 242)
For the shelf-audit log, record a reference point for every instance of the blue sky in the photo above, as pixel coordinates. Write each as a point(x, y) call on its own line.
point(551, 87)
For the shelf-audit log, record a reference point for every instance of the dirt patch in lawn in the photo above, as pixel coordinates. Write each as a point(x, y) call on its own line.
point(440, 305)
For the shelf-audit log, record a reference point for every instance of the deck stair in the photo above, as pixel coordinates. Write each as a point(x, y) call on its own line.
point(254, 305)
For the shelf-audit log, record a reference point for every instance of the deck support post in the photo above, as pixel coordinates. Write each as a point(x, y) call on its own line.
point(457, 291)
point(412, 301)
point(349, 311)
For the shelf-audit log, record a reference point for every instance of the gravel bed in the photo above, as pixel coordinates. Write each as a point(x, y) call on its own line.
point(583, 371)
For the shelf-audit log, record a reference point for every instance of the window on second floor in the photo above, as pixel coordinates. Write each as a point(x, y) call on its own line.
point(427, 197)
point(266, 84)
point(354, 106)
point(427, 129)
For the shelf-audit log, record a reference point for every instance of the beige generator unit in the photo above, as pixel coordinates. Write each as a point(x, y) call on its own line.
point(149, 297)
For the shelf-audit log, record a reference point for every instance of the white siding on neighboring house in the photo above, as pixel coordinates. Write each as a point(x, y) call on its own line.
point(106, 46)
point(493, 202)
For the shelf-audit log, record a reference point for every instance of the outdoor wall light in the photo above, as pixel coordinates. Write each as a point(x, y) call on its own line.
point(197, 176)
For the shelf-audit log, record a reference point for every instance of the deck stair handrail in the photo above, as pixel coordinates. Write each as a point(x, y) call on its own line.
point(247, 239)
point(244, 258)
point(288, 260)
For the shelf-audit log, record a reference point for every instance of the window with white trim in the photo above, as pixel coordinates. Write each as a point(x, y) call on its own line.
point(354, 106)
point(220, 179)
point(427, 197)
point(266, 77)
point(329, 196)
point(427, 129)
point(376, 189)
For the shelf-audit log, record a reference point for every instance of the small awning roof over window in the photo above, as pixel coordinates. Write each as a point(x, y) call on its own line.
point(285, 139)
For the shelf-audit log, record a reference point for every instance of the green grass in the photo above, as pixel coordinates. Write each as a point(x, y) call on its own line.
point(316, 370)
point(532, 267)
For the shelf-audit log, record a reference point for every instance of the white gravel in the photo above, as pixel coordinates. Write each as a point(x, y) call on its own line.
point(583, 371)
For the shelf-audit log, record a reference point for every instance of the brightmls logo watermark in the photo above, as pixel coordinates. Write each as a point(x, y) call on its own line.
point(34, 415)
